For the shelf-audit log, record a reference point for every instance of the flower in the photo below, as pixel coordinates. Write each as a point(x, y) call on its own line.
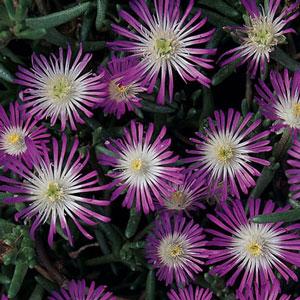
point(122, 87)
point(55, 191)
point(224, 154)
point(175, 247)
point(186, 196)
point(263, 32)
point(140, 166)
point(59, 89)
point(293, 174)
point(4, 297)
point(20, 137)
point(164, 41)
point(77, 290)
point(190, 294)
point(249, 251)
point(282, 105)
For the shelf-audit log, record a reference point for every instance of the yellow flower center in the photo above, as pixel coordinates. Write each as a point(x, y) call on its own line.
point(178, 198)
point(14, 138)
point(118, 91)
point(175, 250)
point(137, 164)
point(296, 110)
point(254, 248)
point(54, 192)
point(225, 153)
point(164, 47)
point(61, 89)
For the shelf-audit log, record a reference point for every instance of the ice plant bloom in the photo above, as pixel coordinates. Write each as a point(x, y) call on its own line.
point(142, 166)
point(282, 103)
point(59, 88)
point(262, 33)
point(163, 41)
point(176, 248)
point(20, 135)
point(4, 297)
point(187, 196)
point(190, 294)
point(225, 152)
point(122, 86)
point(293, 173)
point(55, 190)
point(78, 290)
point(250, 253)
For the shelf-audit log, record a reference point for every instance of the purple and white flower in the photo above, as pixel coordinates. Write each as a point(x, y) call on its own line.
point(20, 136)
point(176, 248)
point(163, 41)
point(224, 152)
point(190, 293)
point(142, 167)
point(58, 88)
point(55, 190)
point(78, 290)
point(250, 253)
point(122, 87)
point(263, 32)
point(282, 103)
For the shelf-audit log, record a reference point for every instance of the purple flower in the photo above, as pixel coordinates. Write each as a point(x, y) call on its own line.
point(163, 41)
point(4, 297)
point(190, 294)
point(77, 290)
point(186, 196)
point(224, 153)
point(263, 32)
point(141, 167)
point(251, 253)
point(282, 104)
point(293, 174)
point(122, 87)
point(54, 190)
point(20, 137)
point(175, 247)
point(58, 89)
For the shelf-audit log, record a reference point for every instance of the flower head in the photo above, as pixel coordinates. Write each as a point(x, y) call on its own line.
point(122, 86)
point(282, 104)
point(224, 153)
point(58, 89)
point(54, 189)
point(187, 196)
point(263, 32)
point(77, 290)
point(141, 166)
point(190, 294)
point(175, 248)
point(249, 251)
point(164, 41)
point(4, 297)
point(20, 137)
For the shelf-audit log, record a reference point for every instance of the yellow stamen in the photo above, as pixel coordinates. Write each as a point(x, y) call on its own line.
point(254, 249)
point(14, 138)
point(225, 153)
point(137, 164)
point(61, 88)
point(175, 250)
point(54, 192)
point(164, 46)
point(296, 110)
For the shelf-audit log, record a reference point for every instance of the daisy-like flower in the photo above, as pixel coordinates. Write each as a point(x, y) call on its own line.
point(293, 174)
point(20, 137)
point(141, 167)
point(282, 104)
point(224, 153)
point(252, 253)
point(57, 88)
point(78, 290)
point(263, 32)
point(176, 248)
point(164, 41)
point(187, 196)
point(122, 87)
point(190, 294)
point(54, 190)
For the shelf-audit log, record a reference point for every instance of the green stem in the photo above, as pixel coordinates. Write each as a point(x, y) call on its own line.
point(106, 259)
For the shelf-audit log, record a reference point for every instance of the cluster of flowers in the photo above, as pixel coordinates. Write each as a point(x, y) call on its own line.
point(50, 177)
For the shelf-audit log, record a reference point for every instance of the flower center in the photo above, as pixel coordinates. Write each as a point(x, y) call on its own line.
point(118, 91)
point(262, 36)
point(164, 47)
point(61, 89)
point(54, 192)
point(137, 165)
point(179, 198)
point(175, 250)
point(13, 142)
point(296, 110)
point(14, 138)
point(225, 153)
point(254, 248)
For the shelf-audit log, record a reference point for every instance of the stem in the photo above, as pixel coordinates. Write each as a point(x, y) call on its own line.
point(249, 93)
point(75, 254)
point(106, 259)
point(282, 146)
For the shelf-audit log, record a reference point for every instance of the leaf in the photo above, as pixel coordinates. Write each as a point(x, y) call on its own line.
point(221, 7)
point(17, 280)
point(133, 223)
point(5, 74)
point(150, 286)
point(217, 20)
point(37, 293)
point(45, 283)
point(32, 34)
point(58, 18)
point(287, 216)
point(152, 107)
point(224, 73)
point(101, 10)
point(285, 60)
